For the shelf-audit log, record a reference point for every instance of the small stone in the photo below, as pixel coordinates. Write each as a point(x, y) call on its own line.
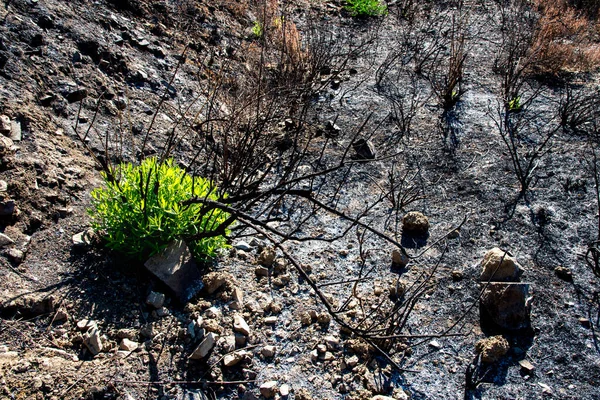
point(270, 320)
point(364, 149)
point(492, 349)
point(352, 361)
point(155, 299)
point(266, 257)
point(268, 389)
point(240, 339)
point(162, 312)
point(564, 273)
point(214, 281)
point(324, 318)
point(435, 344)
point(238, 299)
point(93, 341)
point(233, 359)
point(585, 322)
point(85, 324)
point(7, 208)
point(457, 275)
point(240, 325)
point(205, 347)
point(6, 144)
point(526, 366)
point(399, 259)
point(261, 271)
point(321, 348)
point(268, 351)
point(314, 355)
point(3, 186)
point(16, 132)
point(5, 125)
point(415, 223)
point(128, 345)
point(545, 388)
point(332, 342)
point(284, 390)
point(305, 318)
point(61, 315)
point(498, 266)
point(241, 245)
point(5, 240)
point(15, 255)
point(83, 238)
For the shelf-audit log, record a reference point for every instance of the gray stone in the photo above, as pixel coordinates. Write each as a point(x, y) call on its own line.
point(399, 259)
point(268, 351)
point(83, 238)
point(233, 359)
point(205, 347)
point(175, 266)
point(507, 304)
point(241, 245)
point(15, 255)
point(238, 299)
point(155, 299)
point(16, 132)
point(284, 390)
point(3, 186)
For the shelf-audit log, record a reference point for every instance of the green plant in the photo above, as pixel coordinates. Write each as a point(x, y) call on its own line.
point(515, 104)
point(141, 210)
point(366, 8)
point(257, 29)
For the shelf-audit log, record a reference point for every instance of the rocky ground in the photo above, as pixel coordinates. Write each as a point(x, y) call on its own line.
point(79, 322)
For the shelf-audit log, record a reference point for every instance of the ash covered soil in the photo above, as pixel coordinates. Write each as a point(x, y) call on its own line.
point(80, 322)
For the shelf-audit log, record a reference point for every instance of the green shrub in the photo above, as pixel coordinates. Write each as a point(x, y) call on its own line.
point(366, 8)
point(141, 211)
point(257, 29)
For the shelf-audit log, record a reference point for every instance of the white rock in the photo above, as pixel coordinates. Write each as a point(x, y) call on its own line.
point(128, 345)
point(233, 359)
point(205, 347)
point(270, 320)
point(5, 240)
point(284, 390)
point(241, 245)
point(93, 341)
point(240, 325)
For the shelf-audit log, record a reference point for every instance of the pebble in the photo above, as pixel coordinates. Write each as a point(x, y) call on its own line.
point(268, 389)
point(155, 299)
point(128, 345)
point(93, 341)
point(240, 325)
point(241, 245)
point(435, 344)
point(5, 240)
point(15, 255)
point(284, 390)
point(526, 366)
point(205, 347)
point(270, 320)
point(268, 351)
point(233, 359)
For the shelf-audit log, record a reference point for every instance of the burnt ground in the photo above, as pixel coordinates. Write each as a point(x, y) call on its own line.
point(57, 57)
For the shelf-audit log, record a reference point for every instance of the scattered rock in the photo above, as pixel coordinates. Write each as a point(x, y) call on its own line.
point(205, 347)
point(499, 266)
point(284, 390)
point(84, 238)
point(457, 275)
point(241, 245)
point(175, 267)
point(93, 341)
point(214, 281)
point(305, 318)
point(266, 257)
point(435, 344)
point(270, 320)
point(84, 325)
point(492, 349)
point(15, 255)
point(364, 149)
point(507, 305)
point(240, 325)
point(415, 223)
point(399, 259)
point(585, 322)
point(233, 359)
point(128, 345)
point(526, 366)
point(261, 271)
point(268, 351)
point(155, 299)
point(564, 273)
point(238, 299)
point(5, 240)
point(268, 389)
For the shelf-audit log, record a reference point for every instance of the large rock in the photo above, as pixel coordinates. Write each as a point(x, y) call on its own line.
point(499, 266)
point(93, 341)
point(175, 266)
point(492, 349)
point(415, 223)
point(507, 305)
